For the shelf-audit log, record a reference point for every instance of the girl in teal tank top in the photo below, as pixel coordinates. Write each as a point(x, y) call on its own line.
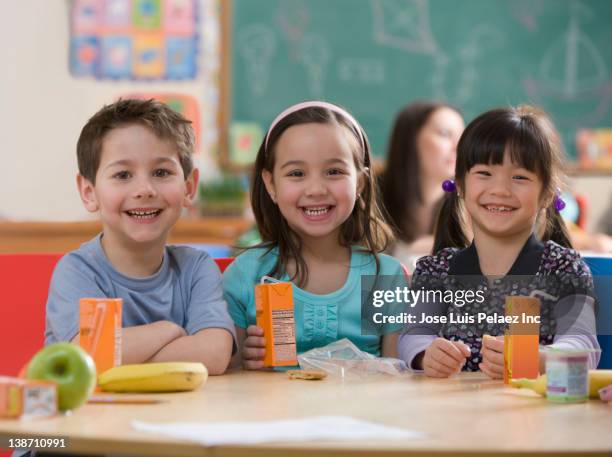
point(315, 205)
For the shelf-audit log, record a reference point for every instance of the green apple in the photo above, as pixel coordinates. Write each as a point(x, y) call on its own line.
point(70, 367)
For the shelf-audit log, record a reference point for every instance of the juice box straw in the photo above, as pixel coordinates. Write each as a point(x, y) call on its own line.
point(96, 324)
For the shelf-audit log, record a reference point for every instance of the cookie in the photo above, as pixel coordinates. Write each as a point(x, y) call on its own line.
point(309, 375)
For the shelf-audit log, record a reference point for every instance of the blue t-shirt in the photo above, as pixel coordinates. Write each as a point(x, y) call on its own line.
point(319, 319)
point(186, 290)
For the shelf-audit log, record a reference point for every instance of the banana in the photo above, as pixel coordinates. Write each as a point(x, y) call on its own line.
point(598, 379)
point(154, 377)
point(538, 385)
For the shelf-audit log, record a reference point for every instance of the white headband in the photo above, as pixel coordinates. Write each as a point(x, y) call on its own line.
point(317, 104)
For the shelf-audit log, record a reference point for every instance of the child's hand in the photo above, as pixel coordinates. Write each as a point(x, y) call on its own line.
point(253, 351)
point(492, 356)
point(444, 357)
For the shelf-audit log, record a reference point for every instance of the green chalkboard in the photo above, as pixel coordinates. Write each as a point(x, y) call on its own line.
point(374, 56)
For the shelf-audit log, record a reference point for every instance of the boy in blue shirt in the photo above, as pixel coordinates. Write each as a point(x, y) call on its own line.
point(136, 171)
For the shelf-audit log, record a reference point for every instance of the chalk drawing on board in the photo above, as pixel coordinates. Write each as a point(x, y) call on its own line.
point(293, 19)
point(572, 63)
point(461, 72)
point(257, 45)
point(403, 24)
point(315, 56)
point(527, 12)
point(574, 73)
point(362, 71)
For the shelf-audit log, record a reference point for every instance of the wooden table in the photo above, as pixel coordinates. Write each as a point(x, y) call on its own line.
point(465, 415)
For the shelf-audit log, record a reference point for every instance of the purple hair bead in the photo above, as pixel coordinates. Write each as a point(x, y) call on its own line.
point(559, 203)
point(449, 186)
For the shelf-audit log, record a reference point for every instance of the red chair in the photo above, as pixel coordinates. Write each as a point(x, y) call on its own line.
point(25, 279)
point(223, 262)
point(583, 210)
point(25, 283)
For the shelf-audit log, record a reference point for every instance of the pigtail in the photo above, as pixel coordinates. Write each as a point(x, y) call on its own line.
point(555, 229)
point(449, 225)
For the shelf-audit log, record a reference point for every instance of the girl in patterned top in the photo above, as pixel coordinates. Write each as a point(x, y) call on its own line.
point(507, 176)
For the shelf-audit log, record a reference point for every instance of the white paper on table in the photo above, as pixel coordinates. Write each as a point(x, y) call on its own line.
point(331, 428)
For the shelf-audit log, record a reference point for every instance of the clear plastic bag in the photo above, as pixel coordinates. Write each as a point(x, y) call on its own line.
point(343, 359)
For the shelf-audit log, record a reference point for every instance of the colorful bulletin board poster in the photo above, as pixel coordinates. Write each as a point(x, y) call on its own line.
point(134, 39)
point(245, 139)
point(184, 104)
point(594, 149)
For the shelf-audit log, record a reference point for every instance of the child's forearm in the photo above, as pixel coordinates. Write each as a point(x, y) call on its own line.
point(577, 342)
point(210, 346)
point(142, 342)
point(411, 348)
point(576, 326)
point(236, 361)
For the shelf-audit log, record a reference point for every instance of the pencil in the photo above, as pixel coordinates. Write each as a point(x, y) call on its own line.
point(96, 399)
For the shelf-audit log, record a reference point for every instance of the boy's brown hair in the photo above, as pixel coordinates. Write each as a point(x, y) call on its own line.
point(163, 121)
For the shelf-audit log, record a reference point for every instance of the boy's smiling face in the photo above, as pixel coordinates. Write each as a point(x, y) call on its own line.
point(140, 187)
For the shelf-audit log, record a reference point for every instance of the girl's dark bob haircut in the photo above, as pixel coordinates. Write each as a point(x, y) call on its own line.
point(529, 136)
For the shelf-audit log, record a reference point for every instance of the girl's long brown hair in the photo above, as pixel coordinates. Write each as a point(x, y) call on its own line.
point(530, 137)
point(365, 226)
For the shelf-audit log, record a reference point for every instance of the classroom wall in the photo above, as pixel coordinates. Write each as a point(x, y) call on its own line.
point(42, 108)
point(598, 189)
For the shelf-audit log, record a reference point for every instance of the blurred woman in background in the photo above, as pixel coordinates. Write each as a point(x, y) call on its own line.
point(421, 155)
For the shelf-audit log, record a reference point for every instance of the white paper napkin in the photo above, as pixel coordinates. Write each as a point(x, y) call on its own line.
point(334, 428)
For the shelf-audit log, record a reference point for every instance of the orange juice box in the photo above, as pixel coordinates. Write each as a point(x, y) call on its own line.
point(27, 398)
point(522, 339)
point(274, 312)
point(100, 331)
